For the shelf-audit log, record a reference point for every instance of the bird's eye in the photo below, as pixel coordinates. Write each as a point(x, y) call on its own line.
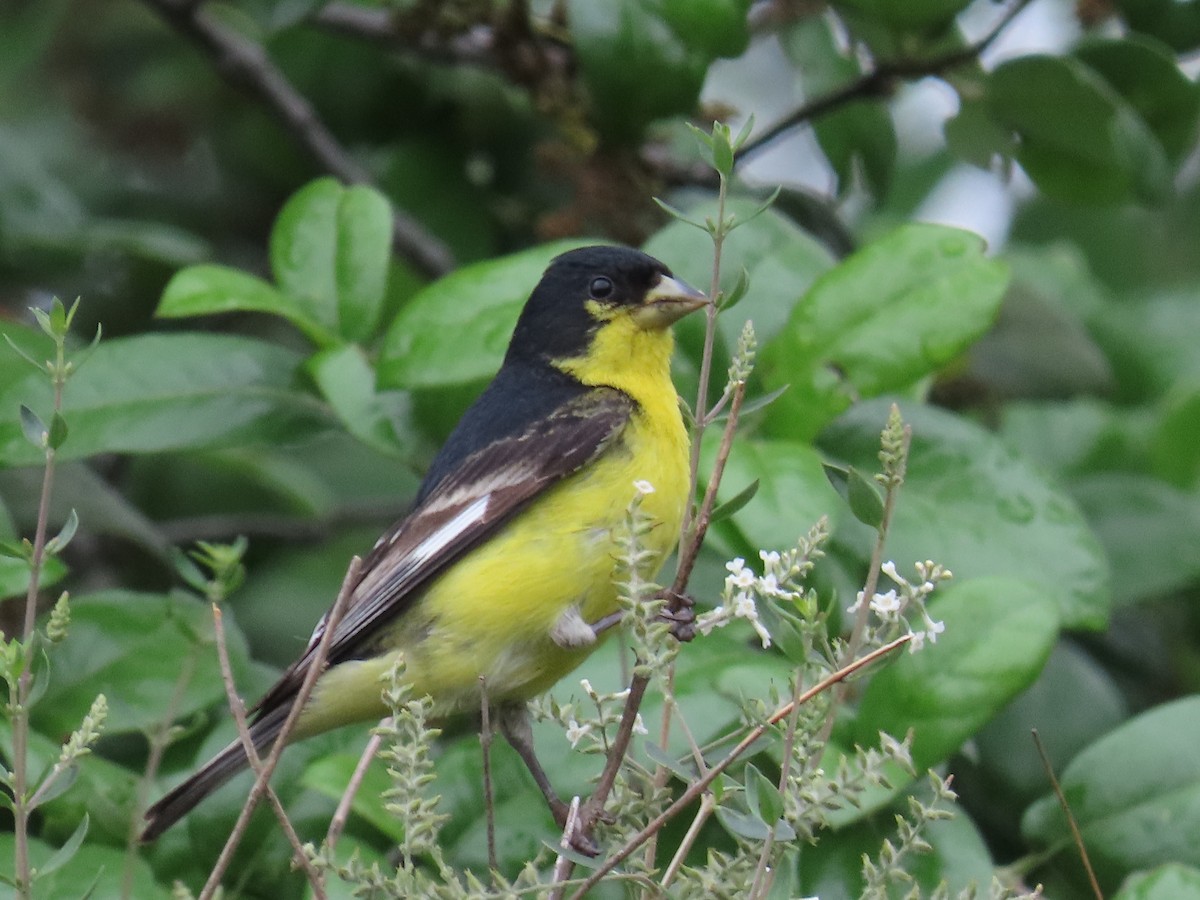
point(601, 287)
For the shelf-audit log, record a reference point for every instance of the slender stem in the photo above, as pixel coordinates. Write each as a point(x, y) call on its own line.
point(858, 632)
point(697, 788)
point(315, 670)
point(689, 554)
point(238, 708)
point(342, 814)
point(20, 717)
point(707, 804)
point(489, 796)
point(563, 865)
point(1066, 808)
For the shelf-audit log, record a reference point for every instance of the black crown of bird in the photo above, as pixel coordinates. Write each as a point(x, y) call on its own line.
point(504, 568)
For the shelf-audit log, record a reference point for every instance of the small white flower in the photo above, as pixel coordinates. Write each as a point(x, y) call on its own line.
point(739, 577)
point(889, 569)
point(575, 731)
point(770, 559)
point(587, 687)
point(857, 604)
point(933, 628)
point(744, 608)
point(639, 727)
point(769, 586)
point(643, 487)
point(886, 606)
point(917, 642)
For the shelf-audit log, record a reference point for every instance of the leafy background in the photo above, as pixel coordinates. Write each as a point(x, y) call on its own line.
point(269, 368)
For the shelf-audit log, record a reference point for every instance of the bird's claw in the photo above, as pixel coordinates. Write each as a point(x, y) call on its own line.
point(680, 613)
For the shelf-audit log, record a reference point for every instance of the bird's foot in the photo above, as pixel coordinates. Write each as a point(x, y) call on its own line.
point(680, 613)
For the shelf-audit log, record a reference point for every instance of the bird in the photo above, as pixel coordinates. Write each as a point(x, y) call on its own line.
point(503, 571)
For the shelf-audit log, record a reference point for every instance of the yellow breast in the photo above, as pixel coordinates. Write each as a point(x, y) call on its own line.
point(491, 614)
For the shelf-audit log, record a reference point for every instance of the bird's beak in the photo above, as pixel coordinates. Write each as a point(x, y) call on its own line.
point(666, 303)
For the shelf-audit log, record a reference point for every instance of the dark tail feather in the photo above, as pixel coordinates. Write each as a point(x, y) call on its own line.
point(218, 770)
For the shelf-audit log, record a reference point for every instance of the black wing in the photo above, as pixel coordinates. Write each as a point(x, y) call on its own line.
point(463, 508)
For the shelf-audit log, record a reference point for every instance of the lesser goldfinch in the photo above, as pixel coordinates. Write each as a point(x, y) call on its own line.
point(504, 569)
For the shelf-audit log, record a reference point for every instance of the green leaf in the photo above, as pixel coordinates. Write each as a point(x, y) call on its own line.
point(140, 649)
point(1135, 795)
point(93, 871)
point(58, 431)
point(168, 391)
point(1147, 77)
point(347, 381)
point(33, 428)
point(456, 330)
point(642, 60)
point(736, 502)
point(1175, 22)
point(856, 136)
point(60, 540)
point(1170, 881)
point(719, 27)
point(330, 250)
point(1073, 702)
point(908, 15)
point(972, 504)
point(1150, 530)
point(832, 868)
point(68, 850)
point(1079, 140)
point(792, 494)
point(892, 313)
point(762, 796)
point(999, 632)
point(861, 494)
point(209, 289)
point(1175, 453)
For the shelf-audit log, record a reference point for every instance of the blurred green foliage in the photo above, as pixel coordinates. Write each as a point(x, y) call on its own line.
point(271, 368)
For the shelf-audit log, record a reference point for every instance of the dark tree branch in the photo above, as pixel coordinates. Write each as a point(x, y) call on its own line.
point(246, 65)
point(881, 82)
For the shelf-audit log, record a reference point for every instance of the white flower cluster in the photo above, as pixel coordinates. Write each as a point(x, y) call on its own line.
point(901, 604)
point(742, 586)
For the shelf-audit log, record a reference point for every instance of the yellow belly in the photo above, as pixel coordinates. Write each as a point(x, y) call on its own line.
point(491, 614)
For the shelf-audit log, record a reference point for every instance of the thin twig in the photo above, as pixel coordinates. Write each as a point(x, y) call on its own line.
point(689, 555)
point(1076, 835)
point(879, 82)
point(245, 64)
point(315, 670)
point(620, 746)
point(858, 631)
point(698, 787)
point(707, 804)
point(489, 796)
point(562, 865)
point(20, 725)
point(238, 708)
point(342, 814)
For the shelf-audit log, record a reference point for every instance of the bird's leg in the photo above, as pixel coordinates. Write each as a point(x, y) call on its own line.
point(514, 725)
point(678, 612)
